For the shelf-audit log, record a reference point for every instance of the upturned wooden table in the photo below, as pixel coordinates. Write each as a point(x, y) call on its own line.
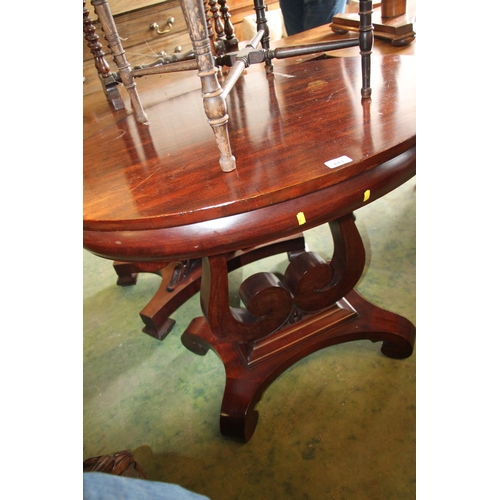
point(309, 151)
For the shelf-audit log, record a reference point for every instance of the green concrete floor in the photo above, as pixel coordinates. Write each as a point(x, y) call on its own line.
point(339, 424)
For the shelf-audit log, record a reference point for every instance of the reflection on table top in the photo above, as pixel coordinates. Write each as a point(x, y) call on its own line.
point(283, 128)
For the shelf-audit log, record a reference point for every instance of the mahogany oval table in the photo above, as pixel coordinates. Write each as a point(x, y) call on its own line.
point(155, 196)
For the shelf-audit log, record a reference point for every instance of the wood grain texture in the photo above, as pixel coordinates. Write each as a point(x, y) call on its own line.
point(393, 8)
point(283, 127)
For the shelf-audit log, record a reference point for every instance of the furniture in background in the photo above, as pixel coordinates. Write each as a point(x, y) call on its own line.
point(151, 31)
point(220, 35)
point(393, 20)
point(134, 21)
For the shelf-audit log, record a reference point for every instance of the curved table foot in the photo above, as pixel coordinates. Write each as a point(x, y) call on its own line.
point(179, 282)
point(238, 419)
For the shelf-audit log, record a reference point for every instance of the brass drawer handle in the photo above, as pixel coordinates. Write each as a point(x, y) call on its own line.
point(170, 25)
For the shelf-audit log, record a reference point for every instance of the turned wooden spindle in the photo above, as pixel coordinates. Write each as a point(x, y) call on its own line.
point(228, 25)
point(211, 16)
point(95, 46)
point(365, 44)
point(260, 11)
point(103, 11)
point(109, 83)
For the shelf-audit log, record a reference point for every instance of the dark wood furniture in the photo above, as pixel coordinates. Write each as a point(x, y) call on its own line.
point(393, 21)
point(155, 195)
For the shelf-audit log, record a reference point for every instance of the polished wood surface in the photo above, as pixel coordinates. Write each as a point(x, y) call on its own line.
point(393, 8)
point(283, 128)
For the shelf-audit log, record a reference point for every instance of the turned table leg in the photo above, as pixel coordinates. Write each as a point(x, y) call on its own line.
point(213, 101)
point(365, 45)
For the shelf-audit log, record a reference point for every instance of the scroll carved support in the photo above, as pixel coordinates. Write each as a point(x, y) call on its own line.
point(310, 284)
point(313, 307)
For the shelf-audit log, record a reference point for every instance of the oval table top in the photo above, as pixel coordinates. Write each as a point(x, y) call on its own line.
point(157, 192)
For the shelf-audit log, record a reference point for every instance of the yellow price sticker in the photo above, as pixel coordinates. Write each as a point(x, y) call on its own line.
point(301, 218)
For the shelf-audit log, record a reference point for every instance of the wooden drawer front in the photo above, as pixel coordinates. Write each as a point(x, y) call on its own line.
point(134, 28)
point(141, 54)
point(136, 56)
point(121, 6)
point(147, 52)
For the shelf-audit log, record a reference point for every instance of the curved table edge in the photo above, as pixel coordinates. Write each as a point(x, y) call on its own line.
point(255, 227)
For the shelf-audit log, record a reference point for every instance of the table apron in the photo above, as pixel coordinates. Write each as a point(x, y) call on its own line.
point(256, 227)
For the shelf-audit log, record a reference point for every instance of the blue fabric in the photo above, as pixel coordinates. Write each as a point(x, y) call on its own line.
point(301, 15)
point(101, 486)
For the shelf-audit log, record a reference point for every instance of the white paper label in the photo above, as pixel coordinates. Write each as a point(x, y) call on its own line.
point(342, 160)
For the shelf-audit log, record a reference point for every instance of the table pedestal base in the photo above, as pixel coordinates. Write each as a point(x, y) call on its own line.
point(312, 306)
point(251, 369)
